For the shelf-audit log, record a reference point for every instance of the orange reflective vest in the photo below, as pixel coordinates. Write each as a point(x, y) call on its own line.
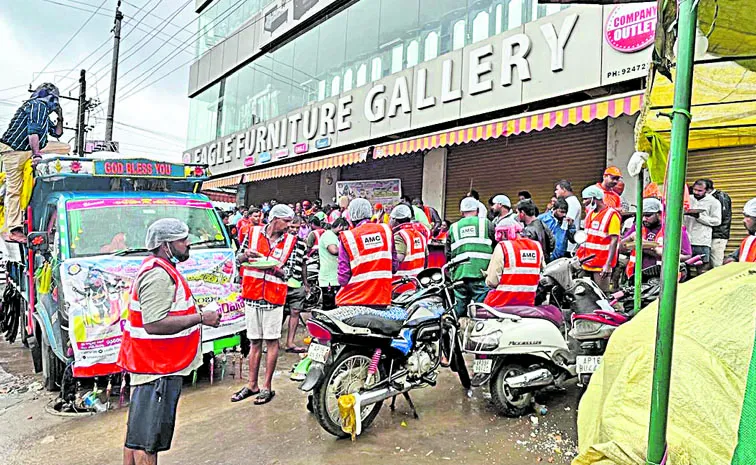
point(748, 250)
point(598, 241)
point(422, 229)
point(611, 198)
point(262, 284)
point(145, 353)
point(369, 247)
point(519, 278)
point(417, 252)
point(659, 239)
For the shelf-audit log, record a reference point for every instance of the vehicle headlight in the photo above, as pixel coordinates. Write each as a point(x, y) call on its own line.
point(483, 341)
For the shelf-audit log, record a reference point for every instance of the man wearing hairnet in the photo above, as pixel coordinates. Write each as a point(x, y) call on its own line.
point(652, 234)
point(472, 239)
point(266, 265)
point(747, 250)
point(367, 260)
point(161, 341)
point(411, 244)
point(602, 226)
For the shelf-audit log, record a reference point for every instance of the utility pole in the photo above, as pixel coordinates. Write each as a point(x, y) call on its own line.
point(81, 132)
point(113, 74)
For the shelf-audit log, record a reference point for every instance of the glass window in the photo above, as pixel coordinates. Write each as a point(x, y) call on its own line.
point(335, 85)
point(348, 80)
point(362, 75)
point(480, 27)
point(431, 46)
point(397, 19)
point(304, 72)
point(204, 112)
point(321, 90)
point(413, 53)
point(362, 31)
point(397, 58)
point(230, 105)
point(458, 35)
point(282, 69)
point(498, 19)
point(245, 112)
point(331, 46)
point(515, 14)
point(377, 69)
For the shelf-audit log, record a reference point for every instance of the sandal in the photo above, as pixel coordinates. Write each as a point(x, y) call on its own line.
point(295, 350)
point(244, 393)
point(264, 397)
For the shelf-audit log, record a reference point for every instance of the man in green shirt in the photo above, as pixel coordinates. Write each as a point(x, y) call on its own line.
point(328, 256)
point(472, 238)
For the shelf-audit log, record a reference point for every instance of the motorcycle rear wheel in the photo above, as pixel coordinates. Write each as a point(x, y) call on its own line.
point(346, 375)
point(510, 403)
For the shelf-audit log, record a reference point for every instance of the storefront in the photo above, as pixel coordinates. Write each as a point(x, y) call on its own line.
point(408, 169)
point(290, 189)
point(733, 170)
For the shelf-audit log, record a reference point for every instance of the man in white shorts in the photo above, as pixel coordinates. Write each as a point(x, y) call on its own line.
point(266, 265)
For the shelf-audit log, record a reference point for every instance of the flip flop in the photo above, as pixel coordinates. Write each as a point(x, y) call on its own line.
point(244, 393)
point(264, 397)
point(295, 350)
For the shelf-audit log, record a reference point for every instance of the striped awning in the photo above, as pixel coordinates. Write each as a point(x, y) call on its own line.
point(308, 166)
point(627, 104)
point(222, 182)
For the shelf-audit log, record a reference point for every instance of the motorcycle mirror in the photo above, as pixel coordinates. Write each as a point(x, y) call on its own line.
point(580, 237)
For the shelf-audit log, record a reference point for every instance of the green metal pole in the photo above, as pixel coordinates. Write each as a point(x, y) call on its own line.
point(675, 183)
point(638, 245)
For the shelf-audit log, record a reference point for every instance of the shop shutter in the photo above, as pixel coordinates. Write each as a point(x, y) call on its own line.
point(289, 189)
point(408, 168)
point(733, 171)
point(533, 162)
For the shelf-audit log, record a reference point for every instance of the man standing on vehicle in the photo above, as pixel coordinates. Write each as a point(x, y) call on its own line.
point(367, 260)
point(411, 245)
point(470, 238)
point(328, 257)
point(502, 207)
point(161, 341)
point(747, 250)
point(24, 139)
point(720, 235)
point(264, 290)
point(514, 270)
point(602, 226)
point(705, 212)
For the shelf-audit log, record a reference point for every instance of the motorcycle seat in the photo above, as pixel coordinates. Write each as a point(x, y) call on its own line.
point(544, 312)
point(387, 322)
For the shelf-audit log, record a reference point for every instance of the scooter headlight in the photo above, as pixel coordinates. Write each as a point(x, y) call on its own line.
point(482, 340)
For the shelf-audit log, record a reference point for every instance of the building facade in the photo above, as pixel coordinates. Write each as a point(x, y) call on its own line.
point(290, 97)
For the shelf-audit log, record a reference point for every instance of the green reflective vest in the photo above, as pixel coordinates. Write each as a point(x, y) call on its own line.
point(469, 239)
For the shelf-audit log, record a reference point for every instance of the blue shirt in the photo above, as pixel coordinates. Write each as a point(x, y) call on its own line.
point(33, 117)
point(560, 235)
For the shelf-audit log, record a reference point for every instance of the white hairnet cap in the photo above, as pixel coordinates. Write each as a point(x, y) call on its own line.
point(502, 199)
point(593, 192)
point(401, 212)
point(750, 208)
point(468, 204)
point(281, 211)
point(360, 209)
point(652, 206)
point(165, 230)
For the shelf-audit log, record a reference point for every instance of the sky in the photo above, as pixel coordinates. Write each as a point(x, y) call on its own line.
point(153, 121)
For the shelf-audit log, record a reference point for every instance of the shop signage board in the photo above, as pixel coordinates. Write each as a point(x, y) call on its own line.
point(385, 191)
point(560, 54)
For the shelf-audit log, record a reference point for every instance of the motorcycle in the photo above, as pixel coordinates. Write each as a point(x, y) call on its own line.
point(368, 356)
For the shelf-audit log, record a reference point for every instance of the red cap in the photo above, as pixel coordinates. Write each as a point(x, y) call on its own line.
point(378, 206)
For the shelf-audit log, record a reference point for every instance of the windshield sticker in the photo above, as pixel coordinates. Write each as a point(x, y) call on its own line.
point(134, 202)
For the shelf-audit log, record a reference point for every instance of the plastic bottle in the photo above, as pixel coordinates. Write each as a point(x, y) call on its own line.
point(540, 409)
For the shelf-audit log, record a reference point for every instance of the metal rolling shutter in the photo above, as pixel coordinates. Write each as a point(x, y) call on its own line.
point(289, 189)
point(534, 162)
point(732, 170)
point(408, 168)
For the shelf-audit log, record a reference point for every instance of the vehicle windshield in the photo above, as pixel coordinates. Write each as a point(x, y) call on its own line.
point(106, 226)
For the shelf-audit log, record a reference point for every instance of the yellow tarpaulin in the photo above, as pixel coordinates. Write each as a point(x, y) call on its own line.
point(714, 336)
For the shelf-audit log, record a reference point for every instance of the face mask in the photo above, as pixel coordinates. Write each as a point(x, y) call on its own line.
point(176, 257)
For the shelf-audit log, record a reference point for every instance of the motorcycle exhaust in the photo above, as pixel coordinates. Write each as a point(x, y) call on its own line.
point(536, 378)
point(373, 397)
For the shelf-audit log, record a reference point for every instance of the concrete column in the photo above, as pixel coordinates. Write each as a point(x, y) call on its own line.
point(620, 145)
point(434, 179)
point(328, 178)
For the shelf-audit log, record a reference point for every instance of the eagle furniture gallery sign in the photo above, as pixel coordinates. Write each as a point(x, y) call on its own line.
point(557, 55)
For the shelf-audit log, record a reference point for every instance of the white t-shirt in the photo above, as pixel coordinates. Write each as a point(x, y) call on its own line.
point(574, 212)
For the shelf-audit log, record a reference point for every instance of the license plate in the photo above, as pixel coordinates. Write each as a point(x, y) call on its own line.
point(318, 353)
point(588, 364)
point(482, 366)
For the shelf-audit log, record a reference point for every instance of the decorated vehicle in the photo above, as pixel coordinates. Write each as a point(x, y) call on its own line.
point(86, 225)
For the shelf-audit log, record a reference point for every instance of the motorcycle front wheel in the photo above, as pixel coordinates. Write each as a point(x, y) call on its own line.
point(510, 402)
point(346, 375)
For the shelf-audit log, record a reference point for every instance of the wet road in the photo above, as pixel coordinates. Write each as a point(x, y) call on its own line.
point(212, 430)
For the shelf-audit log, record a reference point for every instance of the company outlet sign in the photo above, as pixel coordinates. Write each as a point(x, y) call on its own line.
point(557, 55)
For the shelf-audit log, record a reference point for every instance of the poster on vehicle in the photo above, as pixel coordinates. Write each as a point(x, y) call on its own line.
point(96, 291)
point(385, 191)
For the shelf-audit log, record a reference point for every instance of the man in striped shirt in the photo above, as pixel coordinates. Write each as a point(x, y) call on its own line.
point(24, 139)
